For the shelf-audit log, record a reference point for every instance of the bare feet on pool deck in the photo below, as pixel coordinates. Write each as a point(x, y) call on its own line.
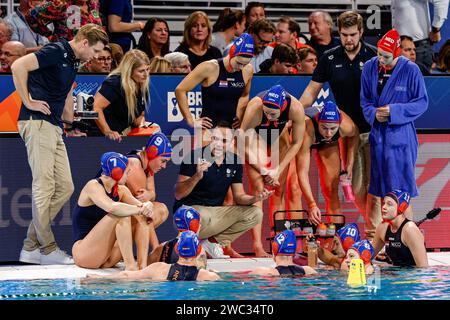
point(261, 253)
point(231, 252)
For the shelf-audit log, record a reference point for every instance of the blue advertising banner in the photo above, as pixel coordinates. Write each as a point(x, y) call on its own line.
point(163, 108)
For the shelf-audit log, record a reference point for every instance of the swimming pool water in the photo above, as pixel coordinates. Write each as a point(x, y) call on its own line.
point(389, 284)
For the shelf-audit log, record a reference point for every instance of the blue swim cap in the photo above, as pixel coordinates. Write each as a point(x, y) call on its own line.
point(243, 46)
point(275, 98)
point(114, 165)
point(402, 199)
point(187, 218)
point(284, 243)
point(188, 245)
point(329, 113)
point(348, 235)
point(365, 250)
point(158, 145)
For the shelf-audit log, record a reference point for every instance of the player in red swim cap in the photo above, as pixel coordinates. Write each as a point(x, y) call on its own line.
point(403, 241)
point(145, 163)
point(393, 96)
point(185, 269)
point(101, 220)
point(283, 248)
point(324, 127)
point(270, 120)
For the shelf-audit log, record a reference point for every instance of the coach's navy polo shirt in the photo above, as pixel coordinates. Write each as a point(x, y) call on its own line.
point(344, 77)
point(213, 187)
point(52, 82)
point(116, 114)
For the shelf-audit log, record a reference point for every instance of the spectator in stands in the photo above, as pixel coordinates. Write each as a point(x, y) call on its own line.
point(44, 82)
point(262, 32)
point(307, 60)
point(65, 16)
point(159, 65)
point(119, 14)
point(409, 51)
point(22, 31)
point(179, 62)
point(123, 96)
point(155, 38)
point(443, 61)
point(254, 11)
point(197, 39)
point(100, 64)
point(412, 18)
point(287, 32)
point(341, 67)
point(230, 24)
point(5, 32)
point(283, 61)
point(321, 28)
point(117, 54)
point(10, 52)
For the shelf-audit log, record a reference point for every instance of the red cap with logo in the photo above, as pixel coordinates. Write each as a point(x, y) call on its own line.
point(390, 42)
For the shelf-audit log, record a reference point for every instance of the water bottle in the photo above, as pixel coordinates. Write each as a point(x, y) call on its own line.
point(312, 253)
point(322, 230)
point(347, 188)
point(331, 230)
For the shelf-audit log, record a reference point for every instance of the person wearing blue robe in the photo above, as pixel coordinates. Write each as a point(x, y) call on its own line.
point(391, 109)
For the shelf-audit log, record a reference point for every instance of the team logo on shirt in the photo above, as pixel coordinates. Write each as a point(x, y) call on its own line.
point(361, 65)
point(331, 57)
point(223, 84)
point(230, 174)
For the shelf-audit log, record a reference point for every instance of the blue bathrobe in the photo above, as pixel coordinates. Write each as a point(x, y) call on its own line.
point(393, 144)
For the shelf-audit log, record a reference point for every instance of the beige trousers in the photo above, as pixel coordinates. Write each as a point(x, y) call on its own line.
point(52, 180)
point(227, 223)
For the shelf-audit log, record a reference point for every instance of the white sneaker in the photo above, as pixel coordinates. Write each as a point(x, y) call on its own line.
point(56, 257)
point(214, 250)
point(30, 256)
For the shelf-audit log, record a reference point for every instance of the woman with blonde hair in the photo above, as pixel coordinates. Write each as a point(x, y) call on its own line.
point(123, 96)
point(197, 37)
point(160, 65)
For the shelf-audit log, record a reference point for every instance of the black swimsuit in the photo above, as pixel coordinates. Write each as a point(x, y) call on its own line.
point(289, 271)
point(169, 254)
point(396, 250)
point(182, 273)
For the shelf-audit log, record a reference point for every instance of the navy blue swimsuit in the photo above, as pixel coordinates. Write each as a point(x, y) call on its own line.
point(220, 99)
point(278, 124)
point(178, 272)
point(84, 219)
point(319, 140)
point(169, 254)
point(289, 271)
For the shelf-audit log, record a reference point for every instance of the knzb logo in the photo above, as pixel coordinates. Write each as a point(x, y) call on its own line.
point(173, 110)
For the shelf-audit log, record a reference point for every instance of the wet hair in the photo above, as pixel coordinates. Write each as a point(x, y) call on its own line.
point(223, 124)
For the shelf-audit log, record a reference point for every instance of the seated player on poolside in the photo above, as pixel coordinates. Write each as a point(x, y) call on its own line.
point(186, 269)
point(360, 250)
point(185, 218)
point(404, 243)
point(284, 246)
